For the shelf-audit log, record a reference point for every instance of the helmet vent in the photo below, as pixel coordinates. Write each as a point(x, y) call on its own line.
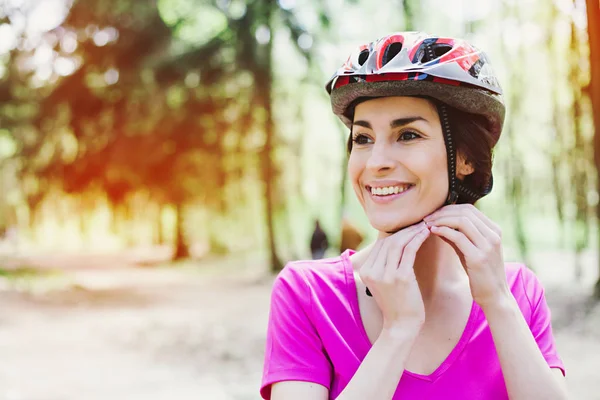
point(439, 49)
point(362, 57)
point(391, 51)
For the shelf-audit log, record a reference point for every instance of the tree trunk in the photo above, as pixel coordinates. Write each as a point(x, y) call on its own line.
point(181, 249)
point(114, 218)
point(557, 158)
point(593, 19)
point(559, 197)
point(515, 185)
point(160, 235)
point(264, 81)
point(558, 140)
point(128, 225)
point(578, 167)
point(516, 170)
point(268, 179)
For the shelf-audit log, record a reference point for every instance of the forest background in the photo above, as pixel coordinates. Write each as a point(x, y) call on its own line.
point(154, 153)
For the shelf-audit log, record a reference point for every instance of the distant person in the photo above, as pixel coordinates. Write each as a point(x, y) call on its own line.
point(318, 242)
point(351, 236)
point(430, 310)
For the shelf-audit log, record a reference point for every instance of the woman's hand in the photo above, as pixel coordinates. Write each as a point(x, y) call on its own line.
point(478, 242)
point(389, 275)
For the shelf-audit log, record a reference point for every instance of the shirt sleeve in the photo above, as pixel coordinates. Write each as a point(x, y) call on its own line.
point(294, 351)
point(540, 322)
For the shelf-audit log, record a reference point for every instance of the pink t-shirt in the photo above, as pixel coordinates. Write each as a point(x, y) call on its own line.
point(315, 334)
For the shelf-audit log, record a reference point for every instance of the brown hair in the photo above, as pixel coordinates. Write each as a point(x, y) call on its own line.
point(473, 140)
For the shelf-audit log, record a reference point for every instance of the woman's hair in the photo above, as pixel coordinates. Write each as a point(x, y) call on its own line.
point(472, 138)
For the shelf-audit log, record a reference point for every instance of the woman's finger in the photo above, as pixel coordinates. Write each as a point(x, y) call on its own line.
point(466, 247)
point(400, 239)
point(466, 209)
point(465, 225)
point(370, 260)
point(378, 258)
point(410, 252)
point(396, 252)
point(486, 220)
point(377, 269)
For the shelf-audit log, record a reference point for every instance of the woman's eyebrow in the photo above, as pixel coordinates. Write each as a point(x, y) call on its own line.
point(405, 121)
point(364, 124)
point(394, 124)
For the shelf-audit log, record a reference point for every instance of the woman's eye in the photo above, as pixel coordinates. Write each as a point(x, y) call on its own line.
point(361, 139)
point(406, 136)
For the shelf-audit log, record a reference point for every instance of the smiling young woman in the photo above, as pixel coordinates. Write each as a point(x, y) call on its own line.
point(430, 310)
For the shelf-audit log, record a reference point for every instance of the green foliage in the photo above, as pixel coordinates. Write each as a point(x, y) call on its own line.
point(20, 273)
point(192, 21)
point(8, 146)
point(202, 103)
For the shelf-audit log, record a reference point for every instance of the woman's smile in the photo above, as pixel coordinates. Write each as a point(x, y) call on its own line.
point(387, 192)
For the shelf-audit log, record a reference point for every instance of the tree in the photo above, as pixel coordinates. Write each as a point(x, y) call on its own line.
point(150, 132)
point(593, 27)
point(514, 168)
point(150, 112)
point(579, 167)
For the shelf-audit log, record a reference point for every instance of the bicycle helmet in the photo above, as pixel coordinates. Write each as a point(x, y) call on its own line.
point(449, 70)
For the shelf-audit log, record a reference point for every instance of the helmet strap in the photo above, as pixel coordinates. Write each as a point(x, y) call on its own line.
point(456, 187)
point(451, 155)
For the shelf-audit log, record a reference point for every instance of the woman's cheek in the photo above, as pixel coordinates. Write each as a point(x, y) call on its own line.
point(354, 173)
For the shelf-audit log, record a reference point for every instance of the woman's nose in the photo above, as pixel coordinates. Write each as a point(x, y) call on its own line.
point(381, 157)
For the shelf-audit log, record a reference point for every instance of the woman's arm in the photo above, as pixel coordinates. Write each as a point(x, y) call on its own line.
point(478, 241)
point(525, 370)
point(376, 378)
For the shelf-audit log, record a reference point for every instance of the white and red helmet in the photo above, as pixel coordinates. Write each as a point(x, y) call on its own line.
point(417, 64)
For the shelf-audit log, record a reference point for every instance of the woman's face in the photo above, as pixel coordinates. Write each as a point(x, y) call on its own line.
point(398, 165)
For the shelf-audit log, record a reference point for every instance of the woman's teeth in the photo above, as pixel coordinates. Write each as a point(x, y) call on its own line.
point(385, 191)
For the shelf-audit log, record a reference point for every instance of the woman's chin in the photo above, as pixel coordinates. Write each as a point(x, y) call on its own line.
point(389, 225)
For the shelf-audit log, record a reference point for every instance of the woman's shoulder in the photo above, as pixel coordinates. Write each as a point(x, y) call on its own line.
point(524, 285)
point(519, 274)
point(316, 275)
point(311, 270)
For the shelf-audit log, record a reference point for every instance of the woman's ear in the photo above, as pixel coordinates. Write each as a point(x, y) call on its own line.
point(463, 167)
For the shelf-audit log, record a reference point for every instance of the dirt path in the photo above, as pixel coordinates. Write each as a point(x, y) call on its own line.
point(158, 333)
point(139, 334)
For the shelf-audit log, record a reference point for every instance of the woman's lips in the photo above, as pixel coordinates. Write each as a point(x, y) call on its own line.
point(378, 199)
